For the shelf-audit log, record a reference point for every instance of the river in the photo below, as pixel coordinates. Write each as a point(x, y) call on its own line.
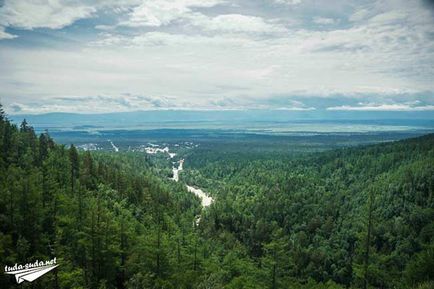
point(205, 199)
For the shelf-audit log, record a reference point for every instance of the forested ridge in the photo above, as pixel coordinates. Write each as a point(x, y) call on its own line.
point(107, 218)
point(360, 216)
point(351, 218)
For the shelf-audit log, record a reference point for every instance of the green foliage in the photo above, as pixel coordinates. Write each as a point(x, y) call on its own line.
point(346, 218)
point(420, 268)
point(319, 208)
point(108, 219)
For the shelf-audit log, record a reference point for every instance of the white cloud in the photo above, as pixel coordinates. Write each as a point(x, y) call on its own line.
point(389, 17)
point(162, 12)
point(198, 68)
point(43, 14)
point(98, 103)
point(198, 51)
point(131, 102)
point(359, 15)
point(5, 35)
point(383, 107)
point(324, 20)
point(288, 2)
point(296, 108)
point(172, 41)
point(233, 23)
point(56, 14)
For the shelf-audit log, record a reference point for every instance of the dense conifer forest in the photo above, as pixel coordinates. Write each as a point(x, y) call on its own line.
point(359, 217)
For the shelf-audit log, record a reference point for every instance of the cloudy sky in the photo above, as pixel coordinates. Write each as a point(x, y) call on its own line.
point(127, 55)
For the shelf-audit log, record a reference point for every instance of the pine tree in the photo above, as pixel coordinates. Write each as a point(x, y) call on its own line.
point(368, 241)
point(43, 147)
point(89, 175)
point(24, 127)
point(2, 113)
point(75, 166)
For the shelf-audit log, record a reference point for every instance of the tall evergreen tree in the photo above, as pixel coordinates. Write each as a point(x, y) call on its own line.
point(75, 166)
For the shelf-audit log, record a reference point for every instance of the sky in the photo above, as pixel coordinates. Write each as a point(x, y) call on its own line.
point(296, 55)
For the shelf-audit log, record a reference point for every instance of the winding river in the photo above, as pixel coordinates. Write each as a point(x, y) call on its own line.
point(205, 199)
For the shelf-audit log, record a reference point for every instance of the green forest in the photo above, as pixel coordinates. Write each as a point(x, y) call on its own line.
point(356, 217)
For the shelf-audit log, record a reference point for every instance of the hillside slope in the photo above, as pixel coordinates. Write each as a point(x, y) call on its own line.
point(351, 217)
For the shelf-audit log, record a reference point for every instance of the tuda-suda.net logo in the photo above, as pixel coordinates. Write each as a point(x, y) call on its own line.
point(31, 271)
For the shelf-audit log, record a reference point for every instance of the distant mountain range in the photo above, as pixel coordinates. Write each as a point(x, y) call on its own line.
point(237, 119)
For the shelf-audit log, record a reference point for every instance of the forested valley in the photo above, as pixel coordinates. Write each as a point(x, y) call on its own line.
point(357, 217)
